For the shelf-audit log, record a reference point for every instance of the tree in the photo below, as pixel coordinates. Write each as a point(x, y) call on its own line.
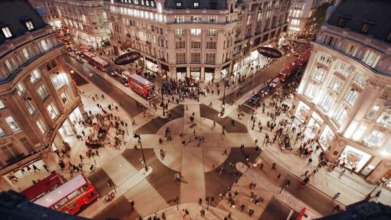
point(316, 20)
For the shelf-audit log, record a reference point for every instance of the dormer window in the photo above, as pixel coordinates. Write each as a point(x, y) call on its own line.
point(29, 25)
point(6, 32)
point(342, 21)
point(178, 5)
point(366, 27)
point(196, 5)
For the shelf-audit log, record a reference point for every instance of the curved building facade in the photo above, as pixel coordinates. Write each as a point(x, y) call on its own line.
point(38, 98)
point(344, 98)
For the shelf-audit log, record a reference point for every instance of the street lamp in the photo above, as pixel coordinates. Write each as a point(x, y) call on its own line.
point(142, 151)
point(286, 184)
point(161, 88)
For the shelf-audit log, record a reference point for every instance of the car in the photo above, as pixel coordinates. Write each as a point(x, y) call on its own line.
point(110, 70)
point(123, 80)
point(266, 90)
point(254, 100)
point(274, 82)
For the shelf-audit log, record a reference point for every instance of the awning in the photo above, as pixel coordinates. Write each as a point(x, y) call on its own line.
point(209, 70)
point(150, 60)
point(164, 67)
point(181, 69)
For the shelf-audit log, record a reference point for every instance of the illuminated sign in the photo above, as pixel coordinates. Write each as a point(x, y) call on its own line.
point(127, 58)
point(270, 52)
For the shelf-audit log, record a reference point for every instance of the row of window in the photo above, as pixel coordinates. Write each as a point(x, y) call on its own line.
point(150, 3)
point(7, 32)
point(196, 19)
point(210, 58)
point(370, 57)
point(180, 44)
point(210, 32)
point(19, 57)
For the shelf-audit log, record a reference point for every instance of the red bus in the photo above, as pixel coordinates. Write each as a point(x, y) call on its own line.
point(70, 197)
point(95, 61)
point(292, 67)
point(42, 187)
point(141, 86)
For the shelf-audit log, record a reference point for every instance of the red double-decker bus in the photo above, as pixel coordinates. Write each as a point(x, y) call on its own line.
point(70, 197)
point(141, 86)
point(42, 187)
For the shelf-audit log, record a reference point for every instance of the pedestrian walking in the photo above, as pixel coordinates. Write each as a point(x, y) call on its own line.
point(250, 212)
point(225, 152)
point(202, 212)
point(81, 158)
point(46, 167)
point(305, 173)
point(309, 161)
point(274, 166)
point(35, 168)
point(341, 173)
point(336, 195)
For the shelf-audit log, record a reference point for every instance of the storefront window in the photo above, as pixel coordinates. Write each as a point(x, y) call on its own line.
point(326, 137)
point(311, 91)
point(374, 139)
point(336, 84)
point(371, 114)
point(354, 158)
point(302, 112)
point(385, 118)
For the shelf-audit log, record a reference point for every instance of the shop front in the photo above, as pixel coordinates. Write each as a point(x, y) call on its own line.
point(164, 70)
point(195, 73)
point(352, 158)
point(302, 112)
point(181, 73)
point(209, 73)
point(326, 137)
point(151, 65)
point(313, 126)
point(224, 71)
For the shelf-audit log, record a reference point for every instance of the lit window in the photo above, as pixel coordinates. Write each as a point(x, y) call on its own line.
point(64, 97)
point(11, 123)
point(52, 110)
point(196, 5)
point(340, 116)
point(195, 31)
point(311, 91)
point(178, 5)
point(2, 133)
point(58, 80)
point(359, 132)
point(26, 53)
point(343, 68)
point(212, 19)
point(295, 22)
point(2, 105)
point(30, 105)
point(319, 74)
point(7, 32)
point(35, 76)
point(21, 87)
point(351, 97)
point(42, 126)
point(210, 58)
point(42, 92)
point(371, 58)
point(326, 103)
point(178, 32)
point(360, 79)
point(372, 113)
point(212, 32)
point(29, 25)
point(385, 118)
point(374, 139)
point(336, 84)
